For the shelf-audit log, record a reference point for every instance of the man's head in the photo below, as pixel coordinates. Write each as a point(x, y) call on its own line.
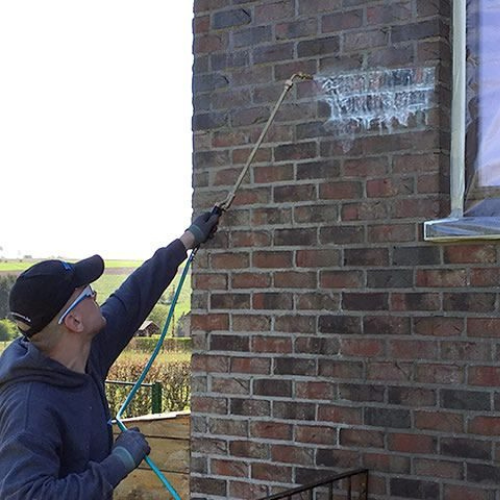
point(41, 292)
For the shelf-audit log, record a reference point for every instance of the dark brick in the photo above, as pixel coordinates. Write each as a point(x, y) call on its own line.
point(229, 343)
point(382, 417)
point(340, 324)
point(209, 83)
point(230, 18)
point(365, 301)
point(293, 410)
point(272, 387)
point(318, 170)
point(318, 46)
point(484, 474)
point(228, 60)
point(390, 278)
point(206, 121)
point(465, 400)
point(417, 256)
point(365, 392)
point(412, 488)
point(386, 325)
point(466, 448)
point(474, 302)
point(301, 151)
point(295, 237)
point(296, 29)
point(339, 235)
point(366, 257)
point(295, 366)
point(252, 36)
point(417, 31)
point(273, 53)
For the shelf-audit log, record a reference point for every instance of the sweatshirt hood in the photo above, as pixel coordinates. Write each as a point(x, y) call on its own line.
point(23, 362)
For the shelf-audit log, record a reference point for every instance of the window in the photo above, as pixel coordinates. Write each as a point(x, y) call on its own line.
point(475, 140)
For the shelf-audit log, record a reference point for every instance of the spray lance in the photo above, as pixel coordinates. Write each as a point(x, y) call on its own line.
point(218, 209)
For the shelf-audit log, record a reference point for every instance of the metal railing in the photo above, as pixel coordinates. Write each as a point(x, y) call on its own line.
point(156, 392)
point(307, 491)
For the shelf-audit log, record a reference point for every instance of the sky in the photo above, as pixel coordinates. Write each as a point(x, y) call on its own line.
point(95, 126)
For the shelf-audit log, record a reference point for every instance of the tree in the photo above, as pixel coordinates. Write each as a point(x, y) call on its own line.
point(8, 330)
point(6, 284)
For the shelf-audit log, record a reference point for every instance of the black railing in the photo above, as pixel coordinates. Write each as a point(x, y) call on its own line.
point(307, 491)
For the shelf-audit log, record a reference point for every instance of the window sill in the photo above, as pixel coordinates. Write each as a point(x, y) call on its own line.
point(462, 229)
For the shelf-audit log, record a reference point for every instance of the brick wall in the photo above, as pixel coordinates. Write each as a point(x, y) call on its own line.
point(328, 335)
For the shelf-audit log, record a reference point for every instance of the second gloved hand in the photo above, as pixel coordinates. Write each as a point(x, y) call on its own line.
point(204, 227)
point(131, 448)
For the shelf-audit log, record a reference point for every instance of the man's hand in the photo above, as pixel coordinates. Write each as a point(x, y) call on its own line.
point(202, 229)
point(131, 448)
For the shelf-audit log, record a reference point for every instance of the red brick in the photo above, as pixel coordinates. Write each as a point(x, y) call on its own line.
point(439, 374)
point(484, 375)
point(340, 190)
point(207, 44)
point(270, 472)
point(342, 21)
point(485, 426)
point(272, 343)
point(386, 463)
point(210, 281)
point(250, 323)
point(250, 280)
point(413, 349)
point(315, 390)
point(468, 254)
point(341, 415)
point(294, 279)
point(273, 174)
point(360, 438)
point(274, 11)
point(439, 468)
point(362, 348)
point(253, 365)
point(483, 327)
point(209, 363)
point(439, 421)
point(318, 258)
point(298, 455)
point(210, 322)
point(240, 156)
point(230, 260)
point(315, 434)
point(271, 430)
point(438, 278)
point(439, 326)
point(232, 468)
point(412, 443)
point(467, 492)
point(341, 279)
point(488, 277)
point(392, 233)
point(270, 259)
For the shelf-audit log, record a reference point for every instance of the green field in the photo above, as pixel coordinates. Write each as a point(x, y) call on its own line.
point(17, 265)
point(116, 273)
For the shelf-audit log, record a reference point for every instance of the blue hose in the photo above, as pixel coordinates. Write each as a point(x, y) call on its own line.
point(140, 380)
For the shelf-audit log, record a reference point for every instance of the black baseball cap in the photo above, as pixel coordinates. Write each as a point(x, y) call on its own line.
point(41, 291)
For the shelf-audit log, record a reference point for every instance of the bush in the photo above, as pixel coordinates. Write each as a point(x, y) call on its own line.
point(147, 344)
point(174, 377)
point(8, 330)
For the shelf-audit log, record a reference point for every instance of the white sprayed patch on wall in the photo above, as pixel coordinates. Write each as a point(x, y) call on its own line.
point(378, 98)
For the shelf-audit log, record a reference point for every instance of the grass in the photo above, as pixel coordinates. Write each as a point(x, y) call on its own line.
point(17, 265)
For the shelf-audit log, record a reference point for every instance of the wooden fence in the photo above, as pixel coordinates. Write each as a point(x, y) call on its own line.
point(168, 436)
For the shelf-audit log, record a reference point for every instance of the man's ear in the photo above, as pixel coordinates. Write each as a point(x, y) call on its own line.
point(73, 322)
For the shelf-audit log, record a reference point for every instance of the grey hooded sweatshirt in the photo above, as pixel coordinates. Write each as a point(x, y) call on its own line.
point(55, 425)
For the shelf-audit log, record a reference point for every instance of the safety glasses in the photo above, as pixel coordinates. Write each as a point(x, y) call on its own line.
point(88, 291)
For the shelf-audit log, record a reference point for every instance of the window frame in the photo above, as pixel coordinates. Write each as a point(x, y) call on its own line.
point(457, 226)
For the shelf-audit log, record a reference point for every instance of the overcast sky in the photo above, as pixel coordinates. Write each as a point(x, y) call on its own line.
point(95, 126)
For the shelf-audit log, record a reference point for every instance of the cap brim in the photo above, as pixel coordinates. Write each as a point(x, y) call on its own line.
point(88, 270)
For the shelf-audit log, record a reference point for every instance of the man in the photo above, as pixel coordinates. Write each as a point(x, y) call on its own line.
point(55, 428)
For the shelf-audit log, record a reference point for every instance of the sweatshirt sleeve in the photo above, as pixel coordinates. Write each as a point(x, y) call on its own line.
point(127, 308)
point(29, 468)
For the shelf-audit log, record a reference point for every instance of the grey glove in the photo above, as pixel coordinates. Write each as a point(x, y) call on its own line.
point(131, 447)
point(204, 226)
